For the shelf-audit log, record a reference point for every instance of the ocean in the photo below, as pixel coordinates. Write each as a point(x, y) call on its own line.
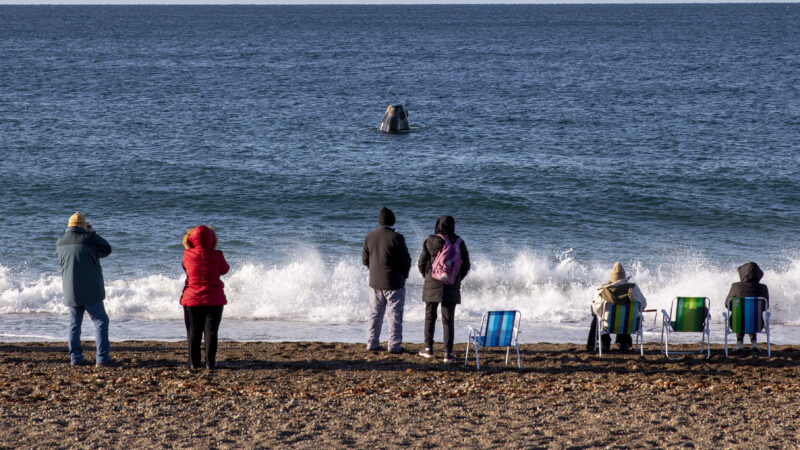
point(562, 138)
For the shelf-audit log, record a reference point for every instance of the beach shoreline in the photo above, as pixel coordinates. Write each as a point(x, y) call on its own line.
point(308, 394)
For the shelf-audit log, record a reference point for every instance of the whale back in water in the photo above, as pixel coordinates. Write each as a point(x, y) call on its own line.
point(395, 119)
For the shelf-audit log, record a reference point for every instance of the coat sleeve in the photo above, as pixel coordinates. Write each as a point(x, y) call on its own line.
point(597, 305)
point(424, 259)
point(224, 267)
point(465, 263)
point(637, 294)
point(365, 254)
point(731, 293)
point(405, 257)
point(99, 245)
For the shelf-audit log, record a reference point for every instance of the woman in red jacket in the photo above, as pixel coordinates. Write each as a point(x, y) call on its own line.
point(203, 296)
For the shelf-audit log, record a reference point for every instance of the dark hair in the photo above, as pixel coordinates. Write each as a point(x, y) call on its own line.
point(386, 217)
point(446, 225)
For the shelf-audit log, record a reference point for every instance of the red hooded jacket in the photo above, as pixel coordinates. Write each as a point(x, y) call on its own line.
point(203, 265)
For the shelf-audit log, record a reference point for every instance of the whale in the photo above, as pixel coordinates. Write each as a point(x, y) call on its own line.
point(395, 119)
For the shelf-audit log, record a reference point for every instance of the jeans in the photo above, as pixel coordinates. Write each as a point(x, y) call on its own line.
point(378, 301)
point(97, 312)
point(202, 320)
point(448, 319)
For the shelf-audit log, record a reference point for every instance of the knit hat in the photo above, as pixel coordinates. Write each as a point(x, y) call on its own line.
point(386, 217)
point(77, 220)
point(617, 273)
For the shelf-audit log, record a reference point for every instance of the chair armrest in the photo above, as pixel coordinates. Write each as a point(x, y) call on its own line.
point(665, 316)
point(725, 315)
point(767, 316)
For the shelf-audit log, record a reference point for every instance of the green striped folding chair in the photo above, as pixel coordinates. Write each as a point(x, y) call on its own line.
point(747, 315)
point(687, 315)
point(498, 329)
point(621, 319)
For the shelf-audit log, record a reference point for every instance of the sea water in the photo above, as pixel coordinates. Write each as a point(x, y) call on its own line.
point(561, 138)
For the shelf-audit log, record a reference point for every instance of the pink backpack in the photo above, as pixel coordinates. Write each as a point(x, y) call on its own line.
point(447, 263)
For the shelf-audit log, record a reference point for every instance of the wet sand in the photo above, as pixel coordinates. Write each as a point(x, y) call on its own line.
point(308, 394)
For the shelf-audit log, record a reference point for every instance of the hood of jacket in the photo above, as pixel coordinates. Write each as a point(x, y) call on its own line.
point(750, 272)
point(446, 225)
point(202, 237)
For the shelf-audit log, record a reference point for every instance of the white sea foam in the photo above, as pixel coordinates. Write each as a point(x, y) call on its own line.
point(556, 290)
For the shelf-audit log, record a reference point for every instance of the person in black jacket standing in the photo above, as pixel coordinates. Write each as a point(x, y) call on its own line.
point(386, 255)
point(434, 292)
point(750, 275)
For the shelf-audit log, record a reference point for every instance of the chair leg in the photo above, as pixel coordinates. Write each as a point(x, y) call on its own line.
point(477, 359)
point(508, 350)
point(519, 363)
point(726, 335)
point(466, 358)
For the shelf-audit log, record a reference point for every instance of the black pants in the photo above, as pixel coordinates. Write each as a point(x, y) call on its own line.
point(448, 319)
point(625, 341)
point(199, 320)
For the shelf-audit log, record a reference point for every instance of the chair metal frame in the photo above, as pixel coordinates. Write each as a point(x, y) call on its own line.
point(603, 327)
point(666, 325)
point(475, 335)
point(766, 317)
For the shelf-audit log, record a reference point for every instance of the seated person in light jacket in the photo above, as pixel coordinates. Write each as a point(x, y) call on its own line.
point(617, 282)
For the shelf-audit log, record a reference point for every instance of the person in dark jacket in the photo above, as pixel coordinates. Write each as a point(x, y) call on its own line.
point(750, 275)
point(203, 297)
point(79, 251)
point(386, 255)
point(434, 292)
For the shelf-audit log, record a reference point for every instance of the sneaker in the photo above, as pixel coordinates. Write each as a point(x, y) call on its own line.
point(109, 363)
point(739, 346)
point(426, 353)
point(755, 347)
point(398, 351)
point(80, 362)
point(449, 358)
point(376, 349)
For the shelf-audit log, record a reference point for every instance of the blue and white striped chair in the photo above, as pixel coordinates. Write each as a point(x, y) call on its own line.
point(498, 329)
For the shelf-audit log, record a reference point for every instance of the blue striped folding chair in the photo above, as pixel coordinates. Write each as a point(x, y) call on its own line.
point(747, 315)
point(621, 319)
point(498, 329)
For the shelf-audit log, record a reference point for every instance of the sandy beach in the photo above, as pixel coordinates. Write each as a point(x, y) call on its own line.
point(306, 394)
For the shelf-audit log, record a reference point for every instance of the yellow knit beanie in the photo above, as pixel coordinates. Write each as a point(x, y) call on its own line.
point(77, 220)
point(617, 273)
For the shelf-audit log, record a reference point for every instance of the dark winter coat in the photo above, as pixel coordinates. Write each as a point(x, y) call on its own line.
point(79, 253)
point(750, 274)
point(386, 255)
point(434, 291)
point(204, 265)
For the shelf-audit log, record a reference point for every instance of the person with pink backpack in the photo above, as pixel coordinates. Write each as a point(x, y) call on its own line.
point(444, 262)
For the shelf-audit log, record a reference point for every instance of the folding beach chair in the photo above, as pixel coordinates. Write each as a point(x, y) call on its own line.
point(498, 329)
point(621, 319)
point(747, 315)
point(687, 315)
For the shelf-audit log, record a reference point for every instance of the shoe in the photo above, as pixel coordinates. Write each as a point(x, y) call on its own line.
point(426, 353)
point(109, 363)
point(755, 347)
point(739, 346)
point(376, 349)
point(399, 351)
point(81, 362)
point(449, 358)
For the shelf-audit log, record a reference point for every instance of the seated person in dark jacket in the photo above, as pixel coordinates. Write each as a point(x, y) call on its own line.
point(750, 274)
